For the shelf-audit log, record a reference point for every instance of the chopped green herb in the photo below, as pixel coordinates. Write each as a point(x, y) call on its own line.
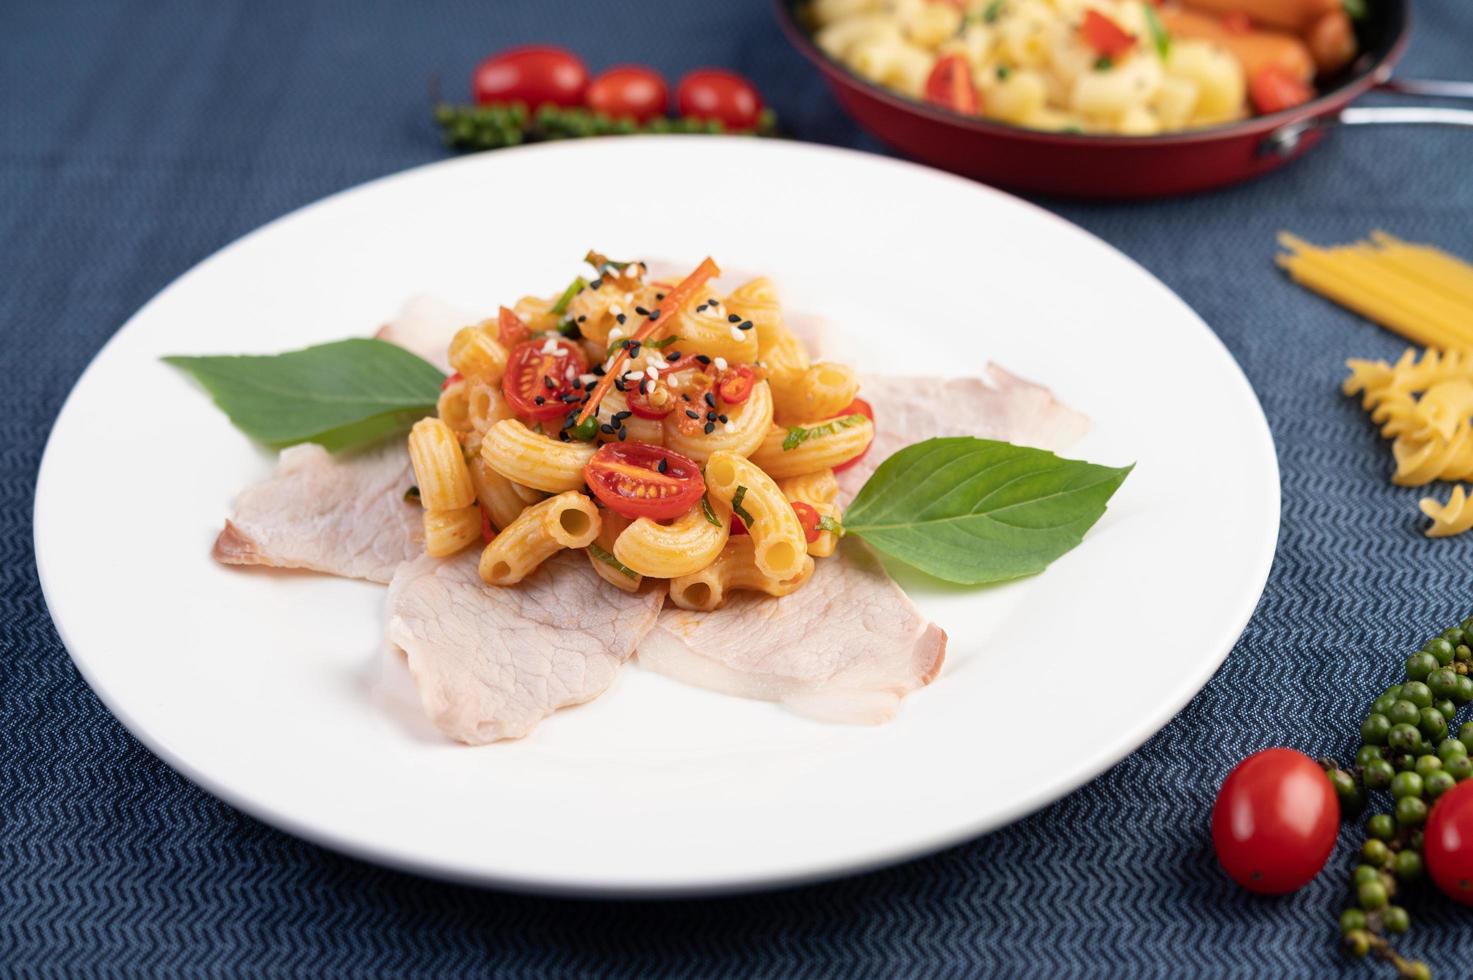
point(797, 435)
point(993, 11)
point(1355, 9)
point(1071, 128)
point(738, 510)
point(1159, 36)
point(1104, 63)
point(1003, 71)
point(611, 561)
point(411, 496)
point(602, 263)
point(568, 327)
point(660, 344)
point(831, 524)
point(706, 509)
point(574, 288)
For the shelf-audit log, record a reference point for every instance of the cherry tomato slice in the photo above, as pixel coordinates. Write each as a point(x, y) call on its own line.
point(808, 517)
point(1448, 843)
point(1237, 22)
point(636, 479)
point(1272, 89)
point(950, 85)
point(1275, 821)
point(510, 329)
point(861, 407)
point(735, 384)
point(1104, 36)
point(532, 75)
point(457, 376)
point(688, 385)
point(629, 90)
point(710, 93)
point(738, 526)
point(539, 373)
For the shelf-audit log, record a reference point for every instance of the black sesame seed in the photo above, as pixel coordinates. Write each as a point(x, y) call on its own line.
point(641, 311)
point(619, 383)
point(733, 318)
point(692, 415)
point(710, 399)
point(710, 427)
point(662, 466)
point(659, 296)
point(745, 325)
point(672, 356)
point(596, 284)
point(570, 398)
point(722, 418)
point(655, 315)
point(547, 382)
point(606, 428)
point(583, 319)
point(701, 308)
point(563, 435)
point(703, 359)
point(620, 317)
point(711, 416)
point(623, 433)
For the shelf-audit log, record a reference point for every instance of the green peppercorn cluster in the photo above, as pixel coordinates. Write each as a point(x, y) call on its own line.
point(490, 127)
point(1408, 752)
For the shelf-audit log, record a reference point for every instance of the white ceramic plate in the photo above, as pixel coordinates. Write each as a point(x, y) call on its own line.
point(272, 691)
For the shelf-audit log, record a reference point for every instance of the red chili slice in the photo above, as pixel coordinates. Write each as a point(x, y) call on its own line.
point(808, 517)
point(950, 85)
point(510, 329)
point(861, 407)
point(457, 376)
point(735, 384)
point(1106, 37)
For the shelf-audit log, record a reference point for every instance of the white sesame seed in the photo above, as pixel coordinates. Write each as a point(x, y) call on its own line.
point(736, 334)
point(729, 427)
point(720, 363)
point(616, 310)
point(551, 347)
point(652, 372)
point(587, 378)
point(629, 297)
point(633, 375)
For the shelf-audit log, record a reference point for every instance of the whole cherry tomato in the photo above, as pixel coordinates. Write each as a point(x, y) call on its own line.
point(1448, 843)
point(1275, 821)
point(629, 90)
point(710, 93)
point(534, 74)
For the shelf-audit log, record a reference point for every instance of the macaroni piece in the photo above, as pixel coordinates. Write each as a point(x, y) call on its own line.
point(779, 547)
point(439, 466)
point(685, 545)
point(523, 456)
point(820, 491)
point(741, 434)
point(601, 553)
point(447, 532)
point(825, 445)
point(735, 568)
point(568, 520)
point(496, 494)
point(821, 392)
point(476, 354)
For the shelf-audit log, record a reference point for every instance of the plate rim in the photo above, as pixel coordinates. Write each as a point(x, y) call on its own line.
point(559, 884)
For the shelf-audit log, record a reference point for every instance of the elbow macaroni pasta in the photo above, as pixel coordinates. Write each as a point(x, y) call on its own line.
point(533, 477)
point(568, 520)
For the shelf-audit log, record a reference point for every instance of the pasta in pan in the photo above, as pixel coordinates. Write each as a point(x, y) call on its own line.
point(669, 431)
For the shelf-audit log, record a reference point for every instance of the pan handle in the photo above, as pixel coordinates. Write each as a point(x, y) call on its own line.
point(1285, 140)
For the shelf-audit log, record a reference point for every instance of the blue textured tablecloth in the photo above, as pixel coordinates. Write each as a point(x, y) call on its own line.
point(137, 138)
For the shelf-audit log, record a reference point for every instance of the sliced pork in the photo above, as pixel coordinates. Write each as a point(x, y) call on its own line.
point(847, 647)
point(490, 663)
point(1003, 406)
point(344, 514)
point(424, 326)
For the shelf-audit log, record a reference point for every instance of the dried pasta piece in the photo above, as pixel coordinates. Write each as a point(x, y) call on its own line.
point(1453, 517)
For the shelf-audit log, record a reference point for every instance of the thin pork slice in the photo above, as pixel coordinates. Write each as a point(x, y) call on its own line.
point(846, 647)
point(1001, 406)
point(424, 326)
point(345, 515)
point(490, 663)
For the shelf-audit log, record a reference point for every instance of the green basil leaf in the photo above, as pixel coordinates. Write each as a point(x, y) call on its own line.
point(831, 524)
point(738, 509)
point(611, 561)
point(797, 435)
point(574, 288)
point(339, 395)
point(975, 510)
point(1159, 35)
point(710, 514)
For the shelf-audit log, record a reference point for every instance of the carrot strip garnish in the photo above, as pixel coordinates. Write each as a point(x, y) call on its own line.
point(673, 301)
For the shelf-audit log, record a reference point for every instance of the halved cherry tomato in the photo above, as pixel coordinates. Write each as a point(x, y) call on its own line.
point(636, 479)
point(735, 384)
point(539, 373)
point(629, 90)
point(510, 329)
point(488, 533)
point(1448, 842)
point(861, 407)
point(950, 85)
point(1275, 821)
point(457, 376)
point(808, 517)
point(710, 93)
point(1104, 36)
point(1273, 89)
point(1237, 22)
point(533, 74)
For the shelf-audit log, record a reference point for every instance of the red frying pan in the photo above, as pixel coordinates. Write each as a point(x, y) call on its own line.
point(1082, 165)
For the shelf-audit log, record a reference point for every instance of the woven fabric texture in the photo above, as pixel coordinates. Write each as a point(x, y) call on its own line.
point(138, 137)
